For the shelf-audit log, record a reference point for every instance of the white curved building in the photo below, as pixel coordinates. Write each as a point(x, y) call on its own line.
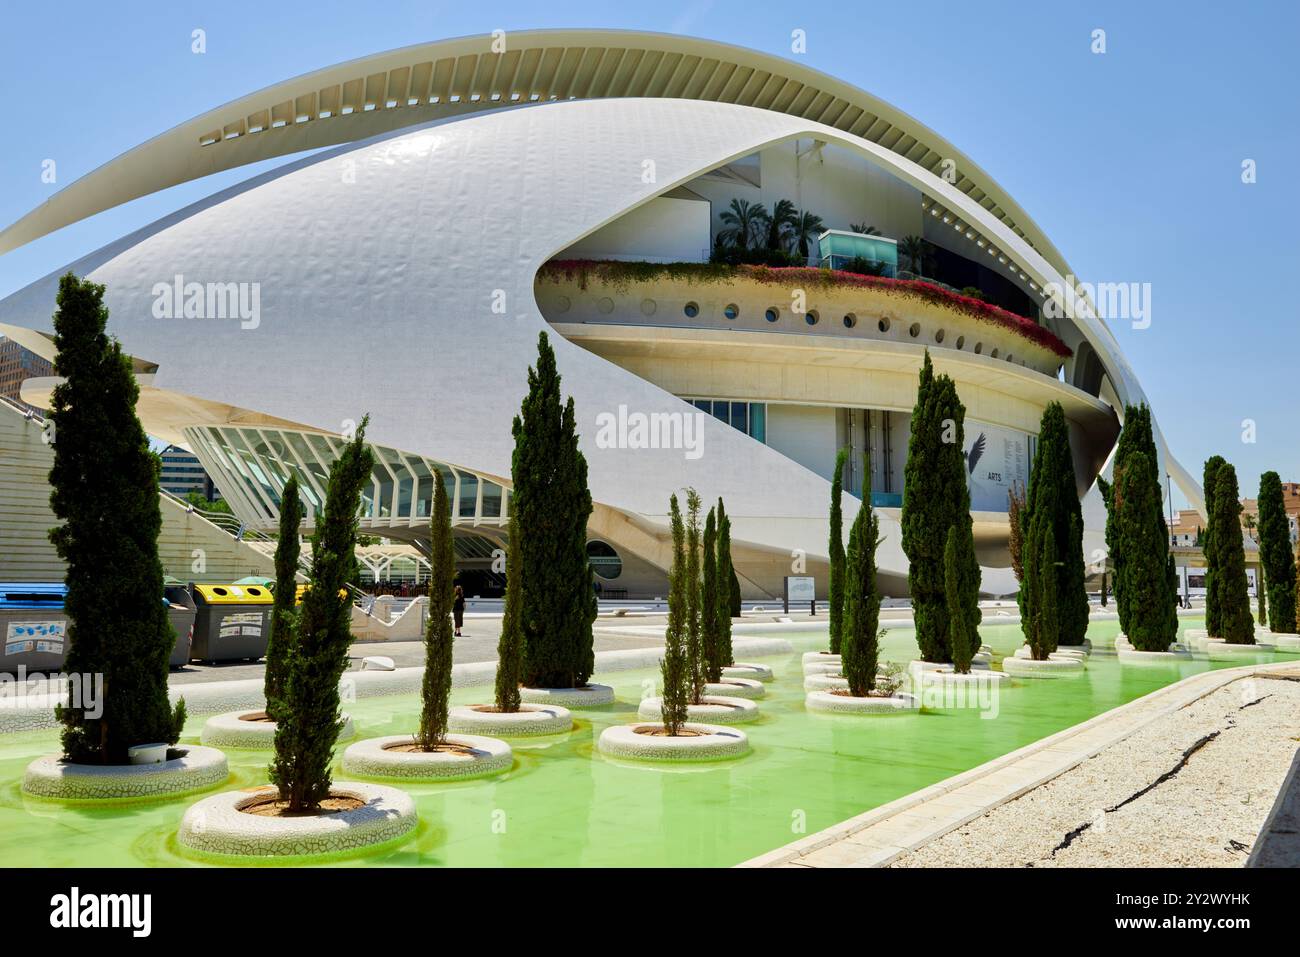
point(473, 198)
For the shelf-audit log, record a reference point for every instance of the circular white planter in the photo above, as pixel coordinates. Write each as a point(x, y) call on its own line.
point(827, 702)
point(230, 730)
point(216, 827)
point(1219, 650)
point(713, 743)
point(918, 665)
point(825, 657)
point(748, 669)
point(1196, 637)
point(825, 682)
point(592, 696)
point(372, 759)
point(1131, 656)
point(1065, 667)
point(197, 769)
point(736, 688)
point(822, 667)
point(530, 719)
point(715, 709)
point(946, 676)
point(1024, 653)
point(1287, 643)
point(1079, 651)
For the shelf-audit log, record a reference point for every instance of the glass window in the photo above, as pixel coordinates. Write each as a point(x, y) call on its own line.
point(740, 416)
point(758, 421)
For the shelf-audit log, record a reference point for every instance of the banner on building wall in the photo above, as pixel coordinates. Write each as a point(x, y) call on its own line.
point(995, 459)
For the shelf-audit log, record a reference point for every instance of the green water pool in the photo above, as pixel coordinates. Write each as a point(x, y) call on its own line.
point(563, 804)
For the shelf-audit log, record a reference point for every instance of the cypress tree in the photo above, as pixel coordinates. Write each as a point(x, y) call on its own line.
point(1103, 589)
point(1043, 636)
point(552, 504)
point(105, 490)
point(675, 667)
point(309, 724)
point(1016, 531)
point(1263, 601)
point(435, 688)
point(711, 652)
point(1144, 547)
point(1235, 624)
point(1276, 557)
point(1135, 436)
point(284, 612)
point(1052, 505)
point(1112, 551)
point(860, 640)
point(961, 571)
point(1210, 485)
point(728, 588)
point(837, 551)
point(935, 498)
point(691, 570)
point(510, 646)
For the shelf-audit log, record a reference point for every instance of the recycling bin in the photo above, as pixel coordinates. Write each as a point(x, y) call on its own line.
point(34, 625)
point(181, 612)
point(231, 622)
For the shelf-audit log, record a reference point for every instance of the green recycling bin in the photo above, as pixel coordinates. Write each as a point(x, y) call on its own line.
point(231, 623)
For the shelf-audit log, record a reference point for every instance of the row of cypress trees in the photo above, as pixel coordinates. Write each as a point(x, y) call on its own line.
point(697, 643)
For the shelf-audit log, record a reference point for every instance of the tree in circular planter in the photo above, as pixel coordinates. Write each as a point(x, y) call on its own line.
point(710, 639)
point(1276, 557)
point(859, 640)
point(1148, 588)
point(118, 626)
point(836, 548)
point(1213, 625)
point(308, 721)
point(936, 497)
point(284, 613)
point(727, 589)
point(1236, 627)
point(551, 504)
point(674, 737)
point(691, 599)
point(1052, 517)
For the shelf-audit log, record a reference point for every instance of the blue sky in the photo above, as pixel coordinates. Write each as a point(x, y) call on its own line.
point(1130, 161)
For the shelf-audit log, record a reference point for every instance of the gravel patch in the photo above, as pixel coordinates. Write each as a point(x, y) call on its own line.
point(1192, 789)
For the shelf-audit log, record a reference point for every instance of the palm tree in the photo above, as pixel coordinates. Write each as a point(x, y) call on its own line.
point(917, 252)
point(744, 219)
point(864, 229)
point(806, 226)
point(782, 219)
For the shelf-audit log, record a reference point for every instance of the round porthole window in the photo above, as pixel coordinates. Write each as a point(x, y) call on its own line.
point(938, 336)
point(811, 317)
point(772, 314)
point(979, 347)
point(732, 311)
point(850, 321)
point(604, 560)
point(883, 325)
point(606, 305)
point(993, 354)
point(914, 330)
point(648, 307)
point(961, 341)
point(562, 303)
point(692, 310)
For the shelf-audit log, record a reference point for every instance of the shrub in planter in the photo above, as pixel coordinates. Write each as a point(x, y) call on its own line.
point(1210, 483)
point(1236, 627)
point(691, 591)
point(728, 589)
point(859, 644)
point(675, 668)
point(1144, 548)
point(710, 652)
point(510, 646)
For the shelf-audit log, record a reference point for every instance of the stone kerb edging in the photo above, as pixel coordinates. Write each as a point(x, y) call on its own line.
point(1126, 719)
point(36, 712)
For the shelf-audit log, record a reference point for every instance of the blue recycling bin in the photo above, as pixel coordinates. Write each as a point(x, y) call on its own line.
point(34, 625)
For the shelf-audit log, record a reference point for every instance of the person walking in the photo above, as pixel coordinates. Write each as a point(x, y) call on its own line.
point(458, 608)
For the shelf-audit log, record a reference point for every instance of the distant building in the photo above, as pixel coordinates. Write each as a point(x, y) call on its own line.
point(1290, 502)
point(182, 473)
point(1186, 528)
point(17, 364)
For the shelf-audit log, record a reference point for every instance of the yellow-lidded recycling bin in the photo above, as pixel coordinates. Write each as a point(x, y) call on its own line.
point(232, 623)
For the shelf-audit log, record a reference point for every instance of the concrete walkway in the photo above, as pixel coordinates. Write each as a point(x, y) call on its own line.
point(882, 835)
